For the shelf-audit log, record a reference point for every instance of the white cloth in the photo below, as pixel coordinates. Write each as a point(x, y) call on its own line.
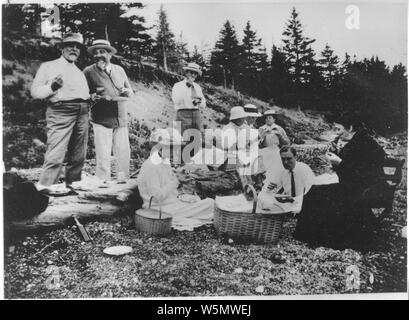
point(106, 139)
point(74, 86)
point(157, 179)
point(182, 96)
point(271, 162)
point(303, 178)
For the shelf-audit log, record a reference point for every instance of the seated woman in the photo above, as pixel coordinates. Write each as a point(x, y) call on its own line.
point(272, 138)
point(156, 179)
point(337, 215)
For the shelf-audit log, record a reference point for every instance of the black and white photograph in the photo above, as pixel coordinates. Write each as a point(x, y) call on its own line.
point(208, 150)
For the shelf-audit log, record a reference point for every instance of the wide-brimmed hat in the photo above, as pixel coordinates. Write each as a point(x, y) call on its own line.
point(237, 113)
point(194, 67)
point(73, 37)
point(101, 44)
point(270, 113)
point(252, 110)
point(167, 136)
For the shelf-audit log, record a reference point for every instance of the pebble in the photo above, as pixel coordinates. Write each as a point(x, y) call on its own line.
point(238, 270)
point(260, 289)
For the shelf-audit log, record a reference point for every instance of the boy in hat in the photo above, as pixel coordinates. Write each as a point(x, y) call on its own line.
point(63, 85)
point(110, 89)
point(187, 97)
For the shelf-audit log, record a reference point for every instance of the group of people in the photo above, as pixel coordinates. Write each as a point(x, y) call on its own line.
point(100, 95)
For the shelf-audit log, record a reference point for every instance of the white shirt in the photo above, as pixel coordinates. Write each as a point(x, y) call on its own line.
point(182, 95)
point(304, 178)
point(75, 84)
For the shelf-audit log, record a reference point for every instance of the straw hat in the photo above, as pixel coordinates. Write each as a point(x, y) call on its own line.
point(73, 37)
point(252, 110)
point(237, 113)
point(269, 113)
point(194, 67)
point(101, 44)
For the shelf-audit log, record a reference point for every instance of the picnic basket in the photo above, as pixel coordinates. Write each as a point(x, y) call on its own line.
point(153, 221)
point(250, 226)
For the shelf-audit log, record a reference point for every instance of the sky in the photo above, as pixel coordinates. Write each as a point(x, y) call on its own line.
point(382, 30)
point(383, 27)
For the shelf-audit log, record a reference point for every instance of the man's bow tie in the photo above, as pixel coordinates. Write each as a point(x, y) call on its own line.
point(188, 84)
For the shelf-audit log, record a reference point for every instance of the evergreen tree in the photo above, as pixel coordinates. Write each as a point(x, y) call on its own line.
point(280, 78)
point(251, 61)
point(225, 58)
point(298, 50)
point(181, 52)
point(328, 65)
point(165, 40)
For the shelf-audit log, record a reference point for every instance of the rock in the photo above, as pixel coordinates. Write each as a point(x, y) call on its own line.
point(403, 233)
point(238, 270)
point(260, 289)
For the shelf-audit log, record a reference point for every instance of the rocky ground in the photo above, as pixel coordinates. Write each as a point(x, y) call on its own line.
point(59, 265)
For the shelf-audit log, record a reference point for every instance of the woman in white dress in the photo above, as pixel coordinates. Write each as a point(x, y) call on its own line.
point(272, 138)
point(156, 179)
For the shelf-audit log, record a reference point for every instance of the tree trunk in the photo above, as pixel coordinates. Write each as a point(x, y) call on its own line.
point(86, 205)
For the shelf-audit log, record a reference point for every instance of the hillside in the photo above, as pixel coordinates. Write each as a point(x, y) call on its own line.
point(151, 107)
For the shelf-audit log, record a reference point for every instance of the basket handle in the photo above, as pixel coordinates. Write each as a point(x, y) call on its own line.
point(253, 191)
point(160, 208)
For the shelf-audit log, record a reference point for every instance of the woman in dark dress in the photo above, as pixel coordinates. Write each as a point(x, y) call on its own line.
point(338, 215)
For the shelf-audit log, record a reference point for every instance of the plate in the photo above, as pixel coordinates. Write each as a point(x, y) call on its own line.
point(118, 250)
point(189, 198)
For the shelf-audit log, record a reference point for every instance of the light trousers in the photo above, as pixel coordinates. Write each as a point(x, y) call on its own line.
point(107, 140)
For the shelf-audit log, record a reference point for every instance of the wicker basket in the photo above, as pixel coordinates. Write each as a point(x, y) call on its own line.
point(264, 228)
point(153, 221)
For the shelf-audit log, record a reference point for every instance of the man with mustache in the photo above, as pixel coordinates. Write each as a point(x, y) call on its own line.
point(62, 84)
point(110, 89)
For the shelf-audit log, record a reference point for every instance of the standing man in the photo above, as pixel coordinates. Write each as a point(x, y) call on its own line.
point(187, 97)
point(110, 89)
point(62, 84)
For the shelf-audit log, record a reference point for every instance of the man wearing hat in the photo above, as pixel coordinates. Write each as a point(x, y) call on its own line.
point(187, 97)
point(62, 84)
point(110, 90)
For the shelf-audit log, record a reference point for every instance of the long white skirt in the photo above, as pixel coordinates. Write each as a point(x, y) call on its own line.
point(187, 216)
point(271, 161)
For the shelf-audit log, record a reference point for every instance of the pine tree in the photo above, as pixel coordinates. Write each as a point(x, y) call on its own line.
point(165, 40)
point(298, 50)
point(181, 53)
point(251, 61)
point(225, 58)
point(280, 78)
point(328, 65)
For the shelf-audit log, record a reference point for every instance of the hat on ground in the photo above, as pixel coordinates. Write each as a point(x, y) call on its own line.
point(238, 113)
point(101, 44)
point(252, 110)
point(270, 113)
point(194, 67)
point(167, 136)
point(73, 37)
